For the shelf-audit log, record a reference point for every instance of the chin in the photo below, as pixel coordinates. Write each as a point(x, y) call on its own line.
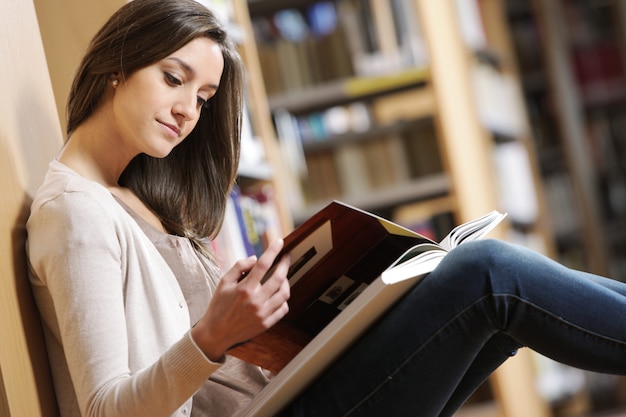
point(159, 153)
point(162, 155)
point(163, 150)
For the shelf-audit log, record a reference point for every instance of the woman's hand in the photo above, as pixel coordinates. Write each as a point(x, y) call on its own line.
point(242, 306)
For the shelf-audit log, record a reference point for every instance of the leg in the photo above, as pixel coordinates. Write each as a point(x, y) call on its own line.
point(447, 335)
point(490, 357)
point(597, 314)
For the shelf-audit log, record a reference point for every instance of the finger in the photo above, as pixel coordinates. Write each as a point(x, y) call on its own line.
point(265, 262)
point(277, 314)
point(277, 276)
point(276, 304)
point(240, 269)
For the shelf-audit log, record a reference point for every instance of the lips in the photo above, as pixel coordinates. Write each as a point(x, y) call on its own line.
point(173, 129)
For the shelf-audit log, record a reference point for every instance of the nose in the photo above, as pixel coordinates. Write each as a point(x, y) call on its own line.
point(186, 107)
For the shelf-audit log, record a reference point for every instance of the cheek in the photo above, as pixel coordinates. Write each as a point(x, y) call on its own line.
point(128, 116)
point(128, 101)
point(142, 94)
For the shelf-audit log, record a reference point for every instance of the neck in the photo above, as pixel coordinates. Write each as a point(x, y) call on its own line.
point(93, 152)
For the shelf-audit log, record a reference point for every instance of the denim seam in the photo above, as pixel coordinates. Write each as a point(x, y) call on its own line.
point(561, 320)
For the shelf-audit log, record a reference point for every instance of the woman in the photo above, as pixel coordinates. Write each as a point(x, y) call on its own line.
point(137, 320)
point(159, 79)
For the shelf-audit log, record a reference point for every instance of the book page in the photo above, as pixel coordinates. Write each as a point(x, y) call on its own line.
point(473, 230)
point(417, 261)
point(425, 257)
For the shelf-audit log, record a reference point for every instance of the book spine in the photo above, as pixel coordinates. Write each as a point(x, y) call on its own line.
point(245, 227)
point(250, 224)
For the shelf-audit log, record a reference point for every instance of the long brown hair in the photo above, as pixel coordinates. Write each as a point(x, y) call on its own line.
point(189, 188)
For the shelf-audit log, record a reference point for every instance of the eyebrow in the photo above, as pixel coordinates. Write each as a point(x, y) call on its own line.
point(188, 69)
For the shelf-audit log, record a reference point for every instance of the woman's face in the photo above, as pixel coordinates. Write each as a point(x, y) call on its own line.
point(156, 107)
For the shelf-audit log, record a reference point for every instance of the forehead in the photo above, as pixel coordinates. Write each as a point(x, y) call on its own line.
point(202, 58)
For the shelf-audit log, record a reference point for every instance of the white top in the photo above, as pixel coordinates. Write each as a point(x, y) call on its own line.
point(114, 317)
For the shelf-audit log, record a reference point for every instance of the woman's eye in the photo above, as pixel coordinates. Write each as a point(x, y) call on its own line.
point(202, 102)
point(172, 80)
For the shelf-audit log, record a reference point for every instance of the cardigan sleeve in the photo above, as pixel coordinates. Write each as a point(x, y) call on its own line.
point(79, 271)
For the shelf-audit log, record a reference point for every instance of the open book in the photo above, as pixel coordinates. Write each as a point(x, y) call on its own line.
point(348, 267)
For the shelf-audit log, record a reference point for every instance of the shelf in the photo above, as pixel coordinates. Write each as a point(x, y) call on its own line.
point(423, 210)
point(534, 82)
point(334, 141)
point(551, 161)
point(347, 90)
point(519, 9)
point(261, 171)
point(260, 7)
point(431, 186)
point(613, 100)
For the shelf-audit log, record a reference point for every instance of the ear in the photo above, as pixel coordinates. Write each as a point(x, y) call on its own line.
point(114, 79)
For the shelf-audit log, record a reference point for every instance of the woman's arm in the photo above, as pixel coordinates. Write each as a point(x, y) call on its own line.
point(77, 250)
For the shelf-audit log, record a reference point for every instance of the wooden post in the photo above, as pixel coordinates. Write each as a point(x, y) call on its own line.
point(467, 150)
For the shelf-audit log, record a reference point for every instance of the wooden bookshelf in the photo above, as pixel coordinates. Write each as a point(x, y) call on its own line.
point(260, 114)
point(394, 102)
point(468, 146)
point(578, 114)
point(440, 91)
point(418, 191)
point(572, 57)
point(347, 90)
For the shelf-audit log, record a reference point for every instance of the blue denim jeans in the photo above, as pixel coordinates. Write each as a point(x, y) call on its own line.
point(445, 337)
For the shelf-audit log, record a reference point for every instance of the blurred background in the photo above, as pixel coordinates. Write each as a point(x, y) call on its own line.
point(429, 113)
point(355, 91)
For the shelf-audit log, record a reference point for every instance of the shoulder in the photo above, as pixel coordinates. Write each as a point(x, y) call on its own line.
point(68, 206)
point(66, 193)
point(76, 224)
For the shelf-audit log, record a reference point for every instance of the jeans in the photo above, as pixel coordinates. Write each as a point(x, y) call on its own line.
point(444, 338)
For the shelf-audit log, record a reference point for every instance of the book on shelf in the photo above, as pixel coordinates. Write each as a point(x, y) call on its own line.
point(302, 47)
point(515, 182)
point(231, 242)
point(298, 50)
point(250, 222)
point(348, 267)
point(357, 163)
point(353, 170)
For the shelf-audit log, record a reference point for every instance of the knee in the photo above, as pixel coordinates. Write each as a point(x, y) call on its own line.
point(484, 251)
point(483, 258)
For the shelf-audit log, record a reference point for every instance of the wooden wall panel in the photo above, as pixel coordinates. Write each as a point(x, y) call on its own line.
point(66, 27)
point(29, 137)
